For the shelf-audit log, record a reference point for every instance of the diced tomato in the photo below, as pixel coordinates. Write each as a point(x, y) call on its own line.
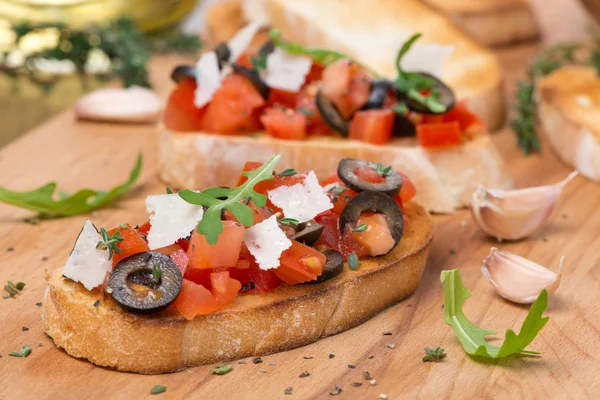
point(144, 228)
point(178, 255)
point(252, 122)
point(184, 243)
point(224, 289)
point(408, 190)
point(315, 73)
point(255, 279)
point(306, 101)
point(180, 113)
point(223, 254)
point(243, 264)
point(195, 300)
point(349, 245)
point(300, 263)
point(167, 250)
point(259, 214)
point(441, 134)
point(132, 244)
point(347, 85)
point(244, 59)
point(231, 105)
point(284, 123)
point(377, 238)
point(459, 113)
point(281, 98)
point(199, 276)
point(372, 126)
point(331, 179)
point(368, 174)
point(330, 236)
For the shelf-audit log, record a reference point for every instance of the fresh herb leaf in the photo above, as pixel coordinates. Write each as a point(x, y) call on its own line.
point(25, 351)
point(289, 221)
point(20, 285)
point(158, 389)
point(169, 191)
point(381, 170)
point(156, 272)
point(109, 242)
point(353, 261)
point(400, 108)
point(288, 172)
point(210, 225)
point(338, 190)
point(472, 337)
point(259, 63)
point(319, 56)
point(222, 369)
point(13, 289)
point(360, 228)
point(305, 111)
point(43, 200)
point(435, 355)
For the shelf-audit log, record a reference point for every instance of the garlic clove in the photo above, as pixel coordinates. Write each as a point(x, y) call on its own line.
point(132, 105)
point(518, 279)
point(515, 214)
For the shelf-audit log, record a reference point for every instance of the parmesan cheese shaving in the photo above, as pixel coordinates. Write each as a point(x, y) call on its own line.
point(242, 39)
point(171, 219)
point(266, 241)
point(86, 264)
point(429, 58)
point(303, 201)
point(208, 79)
point(286, 71)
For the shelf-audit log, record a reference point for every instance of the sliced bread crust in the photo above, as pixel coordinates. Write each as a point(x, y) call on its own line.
point(445, 178)
point(288, 317)
point(568, 104)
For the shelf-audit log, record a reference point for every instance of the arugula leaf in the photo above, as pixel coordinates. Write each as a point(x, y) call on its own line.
point(43, 200)
point(472, 337)
point(319, 56)
point(210, 225)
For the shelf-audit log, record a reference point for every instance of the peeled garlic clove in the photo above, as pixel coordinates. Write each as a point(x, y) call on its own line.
point(135, 104)
point(518, 279)
point(515, 214)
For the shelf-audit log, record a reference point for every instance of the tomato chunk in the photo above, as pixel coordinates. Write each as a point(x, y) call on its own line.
point(300, 263)
point(224, 289)
point(177, 254)
point(284, 123)
point(194, 300)
point(256, 280)
point(306, 103)
point(372, 126)
point(347, 85)
point(144, 228)
point(440, 134)
point(223, 254)
point(408, 190)
point(132, 244)
point(180, 112)
point(199, 276)
point(231, 105)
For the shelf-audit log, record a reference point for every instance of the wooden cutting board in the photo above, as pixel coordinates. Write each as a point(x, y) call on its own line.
point(101, 155)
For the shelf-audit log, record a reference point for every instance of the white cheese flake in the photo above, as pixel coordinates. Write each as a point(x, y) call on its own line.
point(429, 58)
point(171, 219)
point(208, 78)
point(303, 201)
point(242, 39)
point(286, 71)
point(266, 241)
point(86, 264)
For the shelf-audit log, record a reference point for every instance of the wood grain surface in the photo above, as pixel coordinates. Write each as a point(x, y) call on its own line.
point(100, 155)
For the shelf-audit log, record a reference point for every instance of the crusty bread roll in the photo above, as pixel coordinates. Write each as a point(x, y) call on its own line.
point(568, 104)
point(445, 178)
point(288, 317)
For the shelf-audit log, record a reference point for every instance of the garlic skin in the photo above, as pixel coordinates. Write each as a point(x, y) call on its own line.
point(515, 214)
point(518, 279)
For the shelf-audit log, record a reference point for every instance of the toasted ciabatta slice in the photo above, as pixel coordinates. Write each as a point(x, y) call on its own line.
point(288, 317)
point(373, 31)
point(491, 22)
point(568, 104)
point(445, 179)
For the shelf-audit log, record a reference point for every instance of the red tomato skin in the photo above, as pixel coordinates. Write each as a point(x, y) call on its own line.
point(181, 259)
point(231, 106)
point(281, 98)
point(195, 300)
point(180, 112)
point(439, 134)
point(284, 123)
point(224, 289)
point(408, 190)
point(223, 254)
point(255, 279)
point(369, 174)
point(372, 126)
point(199, 276)
point(144, 228)
point(132, 244)
point(347, 85)
point(296, 262)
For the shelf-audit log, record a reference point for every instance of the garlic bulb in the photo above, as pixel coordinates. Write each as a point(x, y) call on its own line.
point(518, 279)
point(515, 214)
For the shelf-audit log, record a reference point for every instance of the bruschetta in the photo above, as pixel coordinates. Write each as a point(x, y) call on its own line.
point(316, 106)
point(275, 263)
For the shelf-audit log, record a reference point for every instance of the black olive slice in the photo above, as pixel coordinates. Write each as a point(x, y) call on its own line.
point(403, 127)
point(374, 202)
point(223, 53)
point(332, 268)
point(346, 168)
point(183, 71)
point(308, 232)
point(378, 93)
point(253, 77)
point(134, 287)
point(446, 97)
point(267, 48)
point(331, 115)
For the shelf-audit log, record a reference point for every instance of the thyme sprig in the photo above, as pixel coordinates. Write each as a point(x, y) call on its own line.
point(109, 242)
point(435, 355)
